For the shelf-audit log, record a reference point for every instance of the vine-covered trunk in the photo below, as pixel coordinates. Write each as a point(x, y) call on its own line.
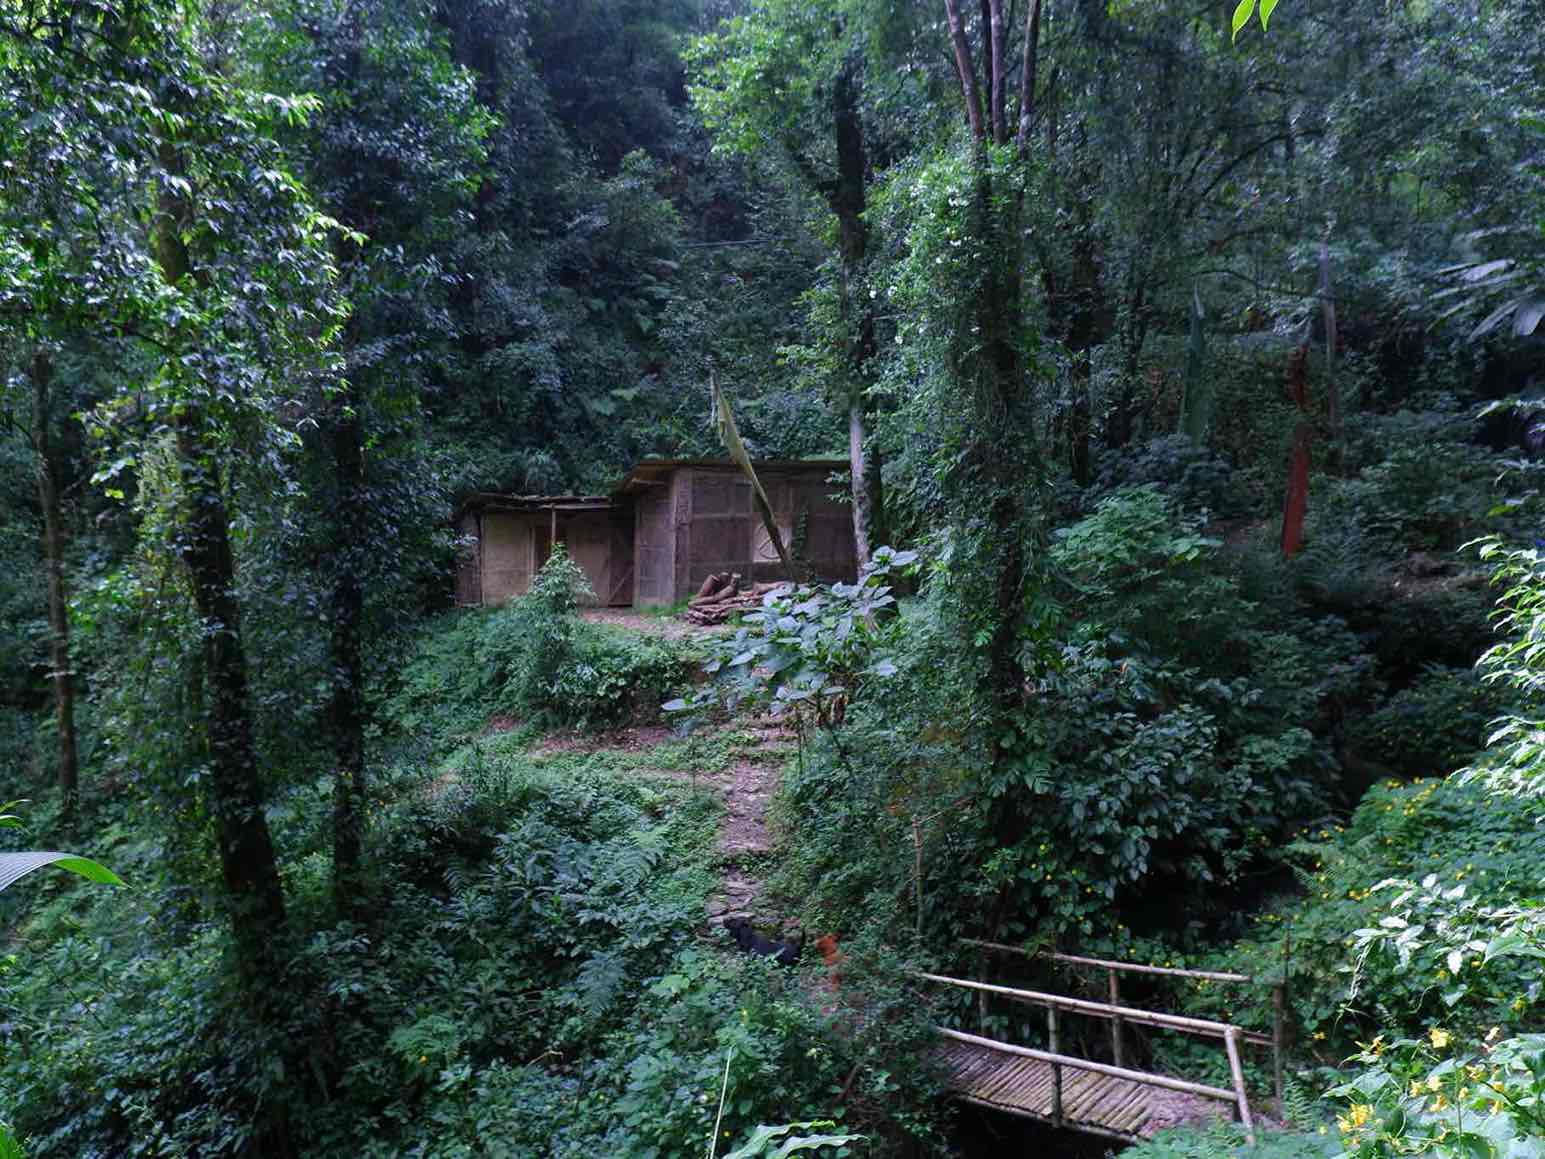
point(53, 561)
point(247, 860)
point(1088, 322)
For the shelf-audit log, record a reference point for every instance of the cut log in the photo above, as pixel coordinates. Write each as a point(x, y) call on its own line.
point(719, 607)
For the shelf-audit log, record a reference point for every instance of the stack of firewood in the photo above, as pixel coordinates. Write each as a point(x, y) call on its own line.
point(721, 596)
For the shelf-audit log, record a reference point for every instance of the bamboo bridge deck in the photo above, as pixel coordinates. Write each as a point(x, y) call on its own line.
point(1110, 1099)
point(1095, 1103)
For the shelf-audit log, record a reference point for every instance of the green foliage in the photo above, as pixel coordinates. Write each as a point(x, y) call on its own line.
point(779, 1142)
point(1432, 1097)
point(534, 639)
point(494, 994)
point(1226, 1141)
point(1246, 9)
point(1407, 832)
point(1516, 763)
point(1424, 495)
point(1436, 724)
point(1193, 476)
point(809, 649)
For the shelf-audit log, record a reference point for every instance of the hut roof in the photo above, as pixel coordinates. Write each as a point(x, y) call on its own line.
point(497, 501)
point(645, 473)
point(648, 471)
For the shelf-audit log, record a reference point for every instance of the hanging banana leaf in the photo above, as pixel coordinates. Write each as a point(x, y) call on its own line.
point(1328, 312)
point(729, 435)
point(17, 865)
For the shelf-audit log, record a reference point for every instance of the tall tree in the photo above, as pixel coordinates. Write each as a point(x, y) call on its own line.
point(214, 267)
point(794, 73)
point(394, 154)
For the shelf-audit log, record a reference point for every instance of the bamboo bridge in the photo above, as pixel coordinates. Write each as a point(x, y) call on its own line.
point(1111, 1099)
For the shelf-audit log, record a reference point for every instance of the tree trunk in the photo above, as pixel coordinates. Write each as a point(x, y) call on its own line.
point(1027, 77)
point(848, 200)
point(965, 68)
point(53, 560)
point(999, 64)
point(346, 716)
point(1296, 503)
point(862, 502)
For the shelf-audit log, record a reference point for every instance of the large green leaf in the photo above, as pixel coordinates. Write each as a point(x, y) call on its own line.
point(18, 865)
point(759, 1144)
point(1242, 14)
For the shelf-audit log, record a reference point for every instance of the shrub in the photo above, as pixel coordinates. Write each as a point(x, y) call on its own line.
point(809, 648)
point(1228, 1142)
point(1401, 832)
point(534, 659)
point(1195, 477)
point(1422, 484)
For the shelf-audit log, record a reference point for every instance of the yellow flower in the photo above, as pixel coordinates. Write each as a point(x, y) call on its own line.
point(1319, 1035)
point(1440, 1037)
point(1434, 1082)
point(1416, 1089)
point(1361, 1113)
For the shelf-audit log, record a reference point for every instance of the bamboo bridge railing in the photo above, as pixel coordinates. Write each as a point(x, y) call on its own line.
point(1099, 1098)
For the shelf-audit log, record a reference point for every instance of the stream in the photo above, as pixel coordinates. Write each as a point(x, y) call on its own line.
point(983, 1134)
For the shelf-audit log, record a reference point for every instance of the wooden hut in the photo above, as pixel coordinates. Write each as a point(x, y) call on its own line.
point(507, 539)
point(665, 528)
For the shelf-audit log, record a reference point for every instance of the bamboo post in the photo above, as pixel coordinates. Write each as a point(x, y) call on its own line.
point(1056, 1067)
point(917, 871)
point(1231, 1043)
point(1115, 1022)
point(981, 995)
point(1277, 1004)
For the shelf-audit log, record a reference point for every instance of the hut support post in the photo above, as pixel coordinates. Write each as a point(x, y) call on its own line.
point(1116, 1050)
point(1056, 1068)
point(1231, 1042)
point(1278, 1033)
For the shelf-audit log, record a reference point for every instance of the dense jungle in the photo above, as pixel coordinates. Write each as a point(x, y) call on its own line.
point(1186, 365)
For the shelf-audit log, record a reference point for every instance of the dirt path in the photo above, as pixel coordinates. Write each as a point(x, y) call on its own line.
point(668, 627)
point(744, 838)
